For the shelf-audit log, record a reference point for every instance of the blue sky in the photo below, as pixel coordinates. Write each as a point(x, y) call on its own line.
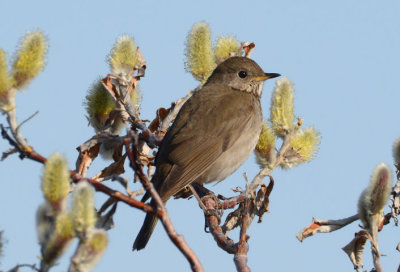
point(343, 57)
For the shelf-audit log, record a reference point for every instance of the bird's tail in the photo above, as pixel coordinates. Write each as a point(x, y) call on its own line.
point(145, 232)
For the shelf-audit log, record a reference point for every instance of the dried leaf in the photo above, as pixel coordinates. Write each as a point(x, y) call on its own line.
point(232, 220)
point(265, 193)
point(248, 48)
point(117, 155)
point(323, 226)
point(141, 66)
point(86, 158)
point(89, 150)
point(109, 86)
point(162, 113)
point(355, 248)
point(116, 168)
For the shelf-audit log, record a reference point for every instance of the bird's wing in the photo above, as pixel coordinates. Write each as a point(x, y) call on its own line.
point(202, 131)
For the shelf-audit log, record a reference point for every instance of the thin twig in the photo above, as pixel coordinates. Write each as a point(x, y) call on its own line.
point(174, 112)
point(198, 198)
point(26, 120)
point(18, 266)
point(257, 180)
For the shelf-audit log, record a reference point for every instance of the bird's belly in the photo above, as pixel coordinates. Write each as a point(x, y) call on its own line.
point(230, 160)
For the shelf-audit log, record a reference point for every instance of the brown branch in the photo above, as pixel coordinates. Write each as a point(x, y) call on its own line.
point(213, 221)
point(98, 186)
point(22, 150)
point(177, 239)
point(240, 258)
point(150, 138)
point(231, 202)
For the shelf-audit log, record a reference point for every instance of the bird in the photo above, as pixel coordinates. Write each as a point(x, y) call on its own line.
point(214, 133)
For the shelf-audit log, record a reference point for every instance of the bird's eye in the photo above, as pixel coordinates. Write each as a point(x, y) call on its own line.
point(242, 74)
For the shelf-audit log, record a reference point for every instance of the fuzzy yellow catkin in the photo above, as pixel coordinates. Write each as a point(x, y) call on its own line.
point(7, 92)
point(199, 56)
point(123, 56)
point(305, 143)
point(265, 148)
point(266, 140)
point(65, 226)
point(282, 107)
point(5, 79)
point(374, 198)
point(225, 47)
point(83, 210)
point(58, 241)
point(29, 59)
point(56, 181)
point(99, 103)
point(98, 240)
point(90, 250)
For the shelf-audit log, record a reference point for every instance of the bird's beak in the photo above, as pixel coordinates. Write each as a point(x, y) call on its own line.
point(265, 76)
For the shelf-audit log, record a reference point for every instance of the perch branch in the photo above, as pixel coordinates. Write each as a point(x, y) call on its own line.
point(177, 239)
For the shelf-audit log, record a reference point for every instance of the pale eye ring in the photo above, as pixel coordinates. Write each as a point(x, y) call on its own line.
point(242, 74)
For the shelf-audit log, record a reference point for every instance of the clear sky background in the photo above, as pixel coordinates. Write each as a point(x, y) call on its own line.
point(343, 57)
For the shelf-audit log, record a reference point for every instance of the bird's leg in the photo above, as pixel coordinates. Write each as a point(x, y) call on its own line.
point(201, 194)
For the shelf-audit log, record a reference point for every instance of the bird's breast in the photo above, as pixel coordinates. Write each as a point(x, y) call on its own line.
point(234, 156)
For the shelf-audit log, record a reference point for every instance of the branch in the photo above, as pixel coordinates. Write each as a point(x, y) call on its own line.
point(98, 186)
point(177, 239)
point(240, 258)
point(174, 112)
point(18, 266)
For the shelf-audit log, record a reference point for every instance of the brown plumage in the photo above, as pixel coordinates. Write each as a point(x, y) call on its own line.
point(213, 134)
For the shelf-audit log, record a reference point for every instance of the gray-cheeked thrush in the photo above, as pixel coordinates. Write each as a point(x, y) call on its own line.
point(213, 134)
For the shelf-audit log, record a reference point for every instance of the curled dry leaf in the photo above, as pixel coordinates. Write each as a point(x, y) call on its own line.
point(385, 220)
point(323, 226)
point(162, 113)
point(109, 86)
point(115, 168)
point(355, 248)
point(86, 158)
point(232, 220)
point(257, 205)
point(248, 48)
point(263, 195)
point(89, 150)
point(141, 66)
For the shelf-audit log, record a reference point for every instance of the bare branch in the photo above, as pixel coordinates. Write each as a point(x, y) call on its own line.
point(18, 266)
